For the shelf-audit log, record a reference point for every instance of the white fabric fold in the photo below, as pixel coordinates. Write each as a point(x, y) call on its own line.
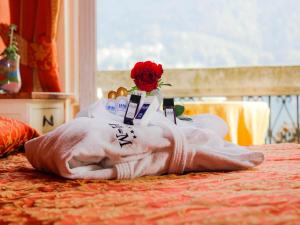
point(99, 146)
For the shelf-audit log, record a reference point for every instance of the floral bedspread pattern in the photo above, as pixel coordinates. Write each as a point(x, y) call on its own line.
point(268, 194)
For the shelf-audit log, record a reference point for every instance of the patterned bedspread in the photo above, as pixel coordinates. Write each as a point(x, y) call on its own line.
point(268, 194)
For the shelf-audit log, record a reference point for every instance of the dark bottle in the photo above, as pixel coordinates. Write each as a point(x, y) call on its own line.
point(169, 109)
point(132, 108)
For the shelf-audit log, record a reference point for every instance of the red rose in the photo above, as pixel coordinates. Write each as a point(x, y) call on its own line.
point(146, 75)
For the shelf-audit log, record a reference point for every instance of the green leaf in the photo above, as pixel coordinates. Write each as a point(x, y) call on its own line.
point(133, 89)
point(185, 118)
point(11, 50)
point(179, 109)
point(161, 83)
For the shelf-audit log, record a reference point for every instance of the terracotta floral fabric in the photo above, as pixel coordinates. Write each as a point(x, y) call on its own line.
point(268, 194)
point(13, 135)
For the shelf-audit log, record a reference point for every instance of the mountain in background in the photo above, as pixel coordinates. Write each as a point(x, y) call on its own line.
point(197, 33)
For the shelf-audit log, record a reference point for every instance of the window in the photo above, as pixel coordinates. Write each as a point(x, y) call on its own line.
point(197, 33)
point(186, 34)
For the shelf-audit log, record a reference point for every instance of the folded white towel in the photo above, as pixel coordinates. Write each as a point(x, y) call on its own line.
point(100, 146)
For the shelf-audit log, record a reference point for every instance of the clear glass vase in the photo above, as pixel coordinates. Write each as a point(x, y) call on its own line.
point(158, 94)
point(10, 78)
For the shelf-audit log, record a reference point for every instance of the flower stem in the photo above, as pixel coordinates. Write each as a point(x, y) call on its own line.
point(12, 29)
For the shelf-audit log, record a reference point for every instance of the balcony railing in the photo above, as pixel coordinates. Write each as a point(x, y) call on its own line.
point(284, 118)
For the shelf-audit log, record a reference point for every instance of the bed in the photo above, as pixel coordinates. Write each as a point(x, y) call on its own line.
point(268, 194)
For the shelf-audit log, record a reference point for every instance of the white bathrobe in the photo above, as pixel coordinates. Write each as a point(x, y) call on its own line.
point(97, 145)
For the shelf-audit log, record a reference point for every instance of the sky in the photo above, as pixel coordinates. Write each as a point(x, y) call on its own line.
point(197, 33)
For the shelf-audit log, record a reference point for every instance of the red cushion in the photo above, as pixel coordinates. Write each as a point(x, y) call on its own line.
point(14, 134)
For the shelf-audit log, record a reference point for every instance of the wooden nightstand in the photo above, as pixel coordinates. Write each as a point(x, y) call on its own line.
point(42, 110)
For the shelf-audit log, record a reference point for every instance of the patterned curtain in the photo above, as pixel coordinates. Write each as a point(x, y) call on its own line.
point(4, 19)
point(37, 25)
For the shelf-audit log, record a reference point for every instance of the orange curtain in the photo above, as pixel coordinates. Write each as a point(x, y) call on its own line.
point(4, 19)
point(37, 25)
